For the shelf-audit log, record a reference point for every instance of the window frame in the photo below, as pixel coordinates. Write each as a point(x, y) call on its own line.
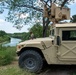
point(66, 29)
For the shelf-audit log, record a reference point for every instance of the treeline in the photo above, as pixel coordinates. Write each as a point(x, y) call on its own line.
point(4, 36)
point(37, 30)
point(23, 36)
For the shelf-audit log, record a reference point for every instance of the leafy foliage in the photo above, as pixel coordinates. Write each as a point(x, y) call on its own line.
point(2, 33)
point(37, 29)
point(34, 9)
point(17, 8)
point(23, 36)
point(4, 36)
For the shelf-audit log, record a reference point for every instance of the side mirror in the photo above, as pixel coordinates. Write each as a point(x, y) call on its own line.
point(58, 41)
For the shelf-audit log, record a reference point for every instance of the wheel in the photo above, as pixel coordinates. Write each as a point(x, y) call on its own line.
point(31, 60)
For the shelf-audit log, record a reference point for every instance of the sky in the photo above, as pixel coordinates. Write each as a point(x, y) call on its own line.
point(8, 27)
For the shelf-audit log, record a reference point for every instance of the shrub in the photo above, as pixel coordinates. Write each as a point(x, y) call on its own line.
point(7, 55)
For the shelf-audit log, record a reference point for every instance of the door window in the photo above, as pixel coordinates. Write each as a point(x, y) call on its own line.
point(69, 35)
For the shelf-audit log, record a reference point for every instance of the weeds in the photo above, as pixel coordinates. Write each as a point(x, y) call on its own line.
point(7, 55)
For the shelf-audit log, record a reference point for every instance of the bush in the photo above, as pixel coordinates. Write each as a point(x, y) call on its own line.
point(4, 38)
point(7, 55)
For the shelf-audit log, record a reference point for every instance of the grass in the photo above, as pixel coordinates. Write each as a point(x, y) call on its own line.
point(7, 55)
point(7, 67)
point(13, 70)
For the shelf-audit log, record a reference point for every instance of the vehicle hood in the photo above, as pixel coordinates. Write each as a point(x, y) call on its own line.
point(38, 41)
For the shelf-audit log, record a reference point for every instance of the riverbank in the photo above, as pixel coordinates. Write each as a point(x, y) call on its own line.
point(4, 36)
point(4, 39)
point(13, 42)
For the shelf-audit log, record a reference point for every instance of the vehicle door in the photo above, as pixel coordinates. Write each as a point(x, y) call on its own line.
point(67, 49)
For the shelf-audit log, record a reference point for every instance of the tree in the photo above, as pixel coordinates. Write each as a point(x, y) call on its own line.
point(37, 29)
point(73, 19)
point(2, 33)
point(34, 9)
point(23, 36)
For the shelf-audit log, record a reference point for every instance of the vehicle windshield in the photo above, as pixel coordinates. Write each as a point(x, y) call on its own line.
point(52, 32)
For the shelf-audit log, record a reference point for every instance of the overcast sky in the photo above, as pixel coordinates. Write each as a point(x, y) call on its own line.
point(8, 27)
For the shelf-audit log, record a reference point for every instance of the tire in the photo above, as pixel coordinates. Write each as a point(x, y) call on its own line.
point(31, 60)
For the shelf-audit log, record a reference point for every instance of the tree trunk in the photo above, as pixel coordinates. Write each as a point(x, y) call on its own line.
point(44, 33)
point(45, 26)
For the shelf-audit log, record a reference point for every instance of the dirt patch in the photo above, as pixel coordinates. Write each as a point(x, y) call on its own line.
point(49, 72)
point(14, 63)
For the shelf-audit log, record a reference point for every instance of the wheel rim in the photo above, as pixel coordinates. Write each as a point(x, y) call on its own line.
point(30, 63)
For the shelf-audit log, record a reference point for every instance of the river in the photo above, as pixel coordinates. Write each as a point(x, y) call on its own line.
point(13, 42)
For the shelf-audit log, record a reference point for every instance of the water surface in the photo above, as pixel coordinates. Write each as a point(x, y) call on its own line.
point(13, 42)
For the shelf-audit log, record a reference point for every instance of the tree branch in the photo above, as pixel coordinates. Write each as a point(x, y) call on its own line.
point(35, 8)
point(64, 3)
point(54, 1)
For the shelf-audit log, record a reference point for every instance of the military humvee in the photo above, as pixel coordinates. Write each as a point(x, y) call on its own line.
point(59, 48)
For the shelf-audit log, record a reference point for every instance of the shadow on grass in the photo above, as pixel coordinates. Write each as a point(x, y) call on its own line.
point(60, 70)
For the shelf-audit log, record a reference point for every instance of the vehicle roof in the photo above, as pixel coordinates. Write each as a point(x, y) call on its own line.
point(66, 25)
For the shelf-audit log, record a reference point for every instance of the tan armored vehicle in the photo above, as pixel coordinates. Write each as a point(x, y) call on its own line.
point(59, 48)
